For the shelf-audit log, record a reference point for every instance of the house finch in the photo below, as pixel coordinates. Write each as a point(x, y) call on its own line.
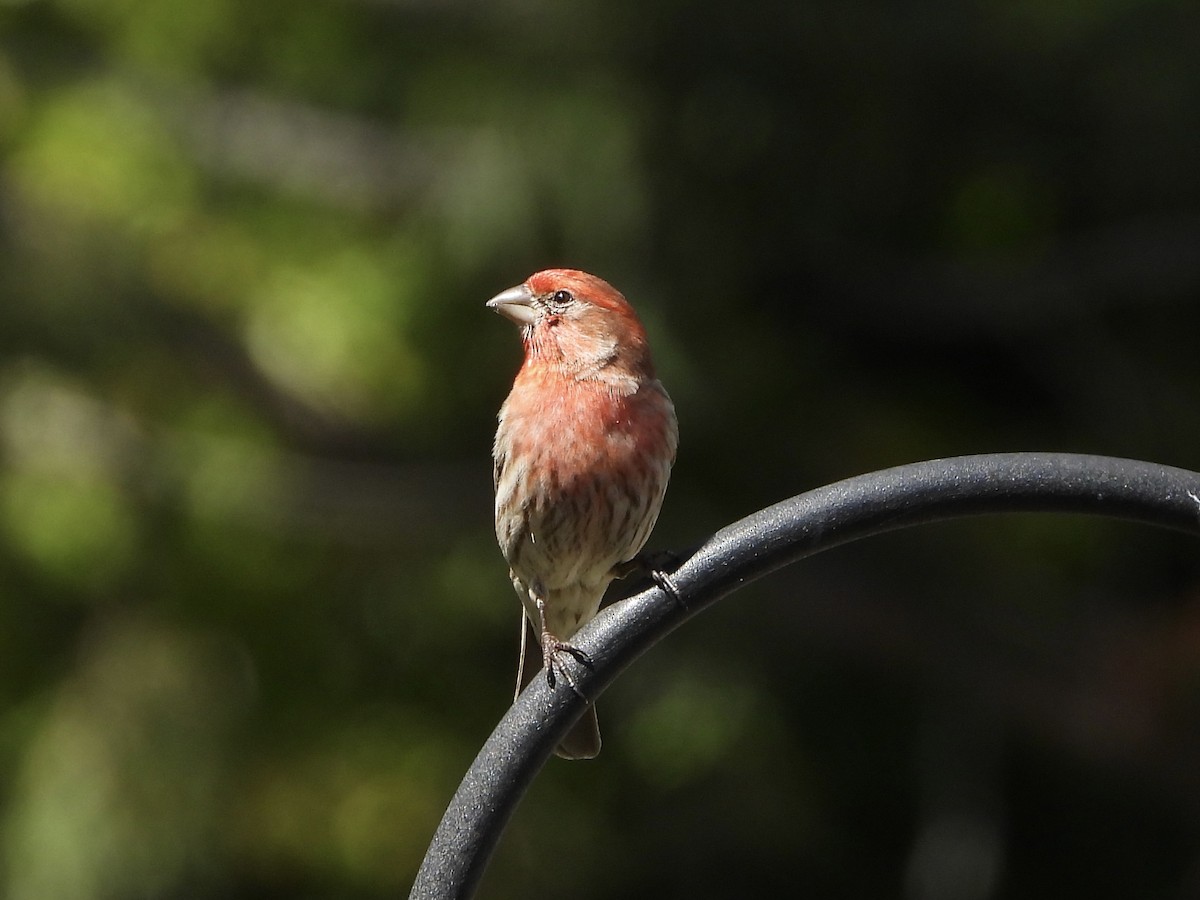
point(582, 457)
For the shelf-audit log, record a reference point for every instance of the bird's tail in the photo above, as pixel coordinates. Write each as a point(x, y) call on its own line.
point(583, 740)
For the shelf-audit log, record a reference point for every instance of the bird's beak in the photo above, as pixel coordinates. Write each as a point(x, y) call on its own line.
point(516, 304)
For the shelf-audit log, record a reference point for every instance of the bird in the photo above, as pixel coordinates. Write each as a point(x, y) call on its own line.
point(582, 456)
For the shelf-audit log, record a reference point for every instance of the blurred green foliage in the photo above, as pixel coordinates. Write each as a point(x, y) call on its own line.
point(253, 623)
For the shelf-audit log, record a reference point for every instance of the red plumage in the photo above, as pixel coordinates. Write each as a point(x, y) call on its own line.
point(582, 456)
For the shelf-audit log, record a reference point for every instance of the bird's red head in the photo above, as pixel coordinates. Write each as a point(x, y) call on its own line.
point(578, 322)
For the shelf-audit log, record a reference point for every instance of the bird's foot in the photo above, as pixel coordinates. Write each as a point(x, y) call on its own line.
point(553, 651)
point(654, 565)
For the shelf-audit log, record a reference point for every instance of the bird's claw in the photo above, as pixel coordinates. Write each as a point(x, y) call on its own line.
point(654, 565)
point(664, 581)
point(552, 652)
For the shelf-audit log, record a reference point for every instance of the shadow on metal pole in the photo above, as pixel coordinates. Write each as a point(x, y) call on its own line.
point(827, 517)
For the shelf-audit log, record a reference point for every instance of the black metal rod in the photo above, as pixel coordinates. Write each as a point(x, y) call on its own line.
point(755, 546)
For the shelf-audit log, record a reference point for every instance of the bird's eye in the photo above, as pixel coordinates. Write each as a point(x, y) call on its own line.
point(561, 298)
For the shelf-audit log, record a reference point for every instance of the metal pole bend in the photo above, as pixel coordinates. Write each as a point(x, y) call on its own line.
point(761, 543)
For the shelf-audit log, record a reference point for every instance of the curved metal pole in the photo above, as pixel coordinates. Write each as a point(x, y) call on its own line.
point(757, 545)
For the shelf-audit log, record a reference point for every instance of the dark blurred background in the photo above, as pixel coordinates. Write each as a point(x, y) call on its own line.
point(253, 622)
